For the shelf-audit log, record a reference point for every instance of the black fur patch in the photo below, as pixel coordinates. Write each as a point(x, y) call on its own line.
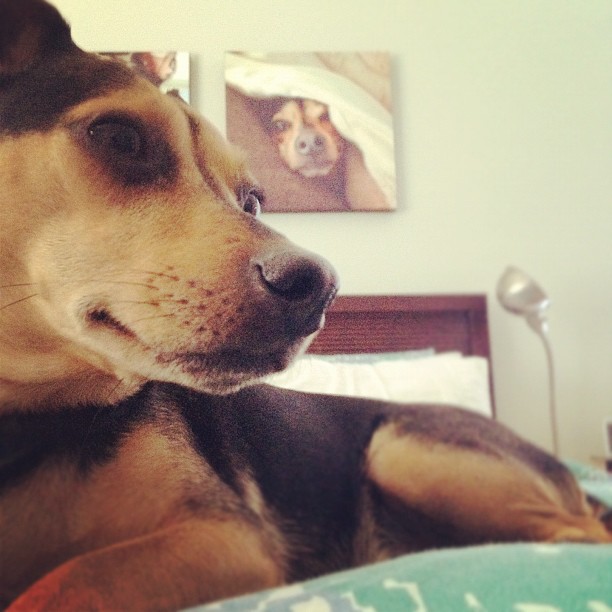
point(29, 30)
point(86, 437)
point(305, 455)
point(35, 99)
point(42, 72)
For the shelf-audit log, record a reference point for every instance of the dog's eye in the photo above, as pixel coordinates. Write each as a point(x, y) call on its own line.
point(280, 125)
point(117, 136)
point(251, 200)
point(133, 152)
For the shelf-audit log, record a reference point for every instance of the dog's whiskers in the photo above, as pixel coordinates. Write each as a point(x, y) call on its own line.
point(17, 285)
point(163, 274)
point(115, 282)
point(160, 316)
point(17, 301)
point(150, 302)
point(23, 299)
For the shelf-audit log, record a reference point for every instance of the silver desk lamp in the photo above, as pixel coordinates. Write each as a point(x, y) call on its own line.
point(521, 295)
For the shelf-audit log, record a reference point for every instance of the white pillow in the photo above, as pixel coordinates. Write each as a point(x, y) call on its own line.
point(448, 378)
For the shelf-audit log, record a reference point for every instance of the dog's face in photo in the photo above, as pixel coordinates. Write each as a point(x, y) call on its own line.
point(307, 140)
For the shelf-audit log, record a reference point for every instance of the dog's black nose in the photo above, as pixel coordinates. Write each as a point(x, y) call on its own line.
point(301, 285)
point(294, 277)
point(309, 142)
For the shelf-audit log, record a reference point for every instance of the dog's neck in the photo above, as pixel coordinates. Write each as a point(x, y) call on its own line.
point(41, 382)
point(60, 393)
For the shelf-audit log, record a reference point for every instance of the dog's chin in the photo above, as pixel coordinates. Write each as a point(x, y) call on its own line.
point(209, 370)
point(224, 371)
point(312, 170)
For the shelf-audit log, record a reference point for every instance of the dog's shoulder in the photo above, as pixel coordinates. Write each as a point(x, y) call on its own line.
point(305, 453)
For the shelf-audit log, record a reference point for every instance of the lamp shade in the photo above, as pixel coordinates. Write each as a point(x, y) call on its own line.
point(518, 293)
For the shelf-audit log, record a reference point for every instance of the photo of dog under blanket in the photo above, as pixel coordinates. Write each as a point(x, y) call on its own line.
point(317, 128)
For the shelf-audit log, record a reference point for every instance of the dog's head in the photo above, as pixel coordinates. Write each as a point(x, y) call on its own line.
point(130, 247)
point(307, 140)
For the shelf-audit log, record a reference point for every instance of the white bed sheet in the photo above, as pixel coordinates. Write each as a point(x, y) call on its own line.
point(448, 378)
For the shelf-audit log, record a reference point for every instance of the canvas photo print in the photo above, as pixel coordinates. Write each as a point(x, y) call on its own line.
point(168, 70)
point(317, 128)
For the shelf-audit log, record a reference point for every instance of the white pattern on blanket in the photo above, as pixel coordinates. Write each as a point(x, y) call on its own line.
point(488, 578)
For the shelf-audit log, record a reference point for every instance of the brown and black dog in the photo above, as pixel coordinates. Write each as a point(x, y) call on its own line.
point(306, 138)
point(309, 144)
point(141, 467)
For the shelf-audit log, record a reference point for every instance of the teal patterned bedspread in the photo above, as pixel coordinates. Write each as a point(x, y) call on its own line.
point(492, 578)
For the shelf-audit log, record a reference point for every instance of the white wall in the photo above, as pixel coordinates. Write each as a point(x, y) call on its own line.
point(504, 137)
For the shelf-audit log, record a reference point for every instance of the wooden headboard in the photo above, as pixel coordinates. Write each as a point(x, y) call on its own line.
point(376, 324)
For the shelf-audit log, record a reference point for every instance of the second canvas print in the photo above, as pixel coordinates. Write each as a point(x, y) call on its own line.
point(317, 128)
point(168, 70)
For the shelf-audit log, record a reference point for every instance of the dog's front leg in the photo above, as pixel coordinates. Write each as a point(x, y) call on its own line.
point(186, 564)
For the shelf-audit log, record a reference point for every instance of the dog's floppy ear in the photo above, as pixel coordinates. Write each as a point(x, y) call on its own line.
point(29, 31)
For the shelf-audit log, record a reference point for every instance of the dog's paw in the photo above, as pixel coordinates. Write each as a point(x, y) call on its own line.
point(595, 533)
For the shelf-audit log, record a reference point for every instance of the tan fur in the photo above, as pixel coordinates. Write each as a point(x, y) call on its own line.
point(156, 483)
point(132, 583)
point(496, 499)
